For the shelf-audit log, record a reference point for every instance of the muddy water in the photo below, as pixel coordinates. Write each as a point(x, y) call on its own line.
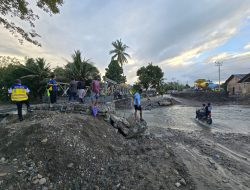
point(233, 119)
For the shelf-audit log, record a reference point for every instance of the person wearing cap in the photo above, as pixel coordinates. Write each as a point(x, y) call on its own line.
point(19, 95)
point(137, 104)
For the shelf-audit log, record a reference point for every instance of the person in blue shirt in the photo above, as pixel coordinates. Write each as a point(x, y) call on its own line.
point(137, 104)
point(52, 88)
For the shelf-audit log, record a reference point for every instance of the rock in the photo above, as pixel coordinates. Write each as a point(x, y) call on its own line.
point(211, 161)
point(123, 129)
point(177, 184)
point(125, 122)
point(176, 172)
point(2, 159)
point(183, 181)
point(31, 168)
point(44, 140)
point(167, 155)
point(96, 187)
point(36, 181)
point(42, 181)
point(20, 171)
point(217, 156)
point(114, 118)
point(39, 176)
point(3, 174)
point(70, 165)
point(45, 188)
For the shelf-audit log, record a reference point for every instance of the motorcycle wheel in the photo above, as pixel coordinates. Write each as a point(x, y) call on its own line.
point(209, 121)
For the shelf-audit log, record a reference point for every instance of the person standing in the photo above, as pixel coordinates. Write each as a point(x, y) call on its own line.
point(72, 89)
point(81, 91)
point(52, 88)
point(19, 95)
point(95, 90)
point(137, 104)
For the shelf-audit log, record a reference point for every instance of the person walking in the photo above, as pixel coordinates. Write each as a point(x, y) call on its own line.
point(19, 95)
point(72, 89)
point(52, 89)
point(81, 91)
point(137, 104)
point(95, 90)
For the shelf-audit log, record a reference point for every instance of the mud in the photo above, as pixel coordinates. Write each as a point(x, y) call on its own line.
point(53, 150)
point(214, 160)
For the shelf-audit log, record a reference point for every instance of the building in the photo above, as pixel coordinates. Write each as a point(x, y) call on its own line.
point(233, 85)
point(245, 85)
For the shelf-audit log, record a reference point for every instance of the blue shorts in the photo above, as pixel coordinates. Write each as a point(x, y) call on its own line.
point(94, 95)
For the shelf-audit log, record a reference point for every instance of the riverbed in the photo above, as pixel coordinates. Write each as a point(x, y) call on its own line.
point(230, 119)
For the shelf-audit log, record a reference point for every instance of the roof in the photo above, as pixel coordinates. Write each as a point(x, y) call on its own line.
point(246, 78)
point(240, 76)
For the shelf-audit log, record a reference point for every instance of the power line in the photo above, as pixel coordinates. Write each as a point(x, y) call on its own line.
point(218, 64)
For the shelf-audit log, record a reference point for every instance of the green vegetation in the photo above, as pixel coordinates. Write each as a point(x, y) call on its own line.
point(115, 71)
point(22, 10)
point(80, 69)
point(35, 73)
point(150, 76)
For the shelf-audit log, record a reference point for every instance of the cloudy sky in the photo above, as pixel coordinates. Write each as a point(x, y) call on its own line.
point(183, 37)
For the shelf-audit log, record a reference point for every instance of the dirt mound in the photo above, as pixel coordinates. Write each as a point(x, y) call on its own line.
point(53, 150)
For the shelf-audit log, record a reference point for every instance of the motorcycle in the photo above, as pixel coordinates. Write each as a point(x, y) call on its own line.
point(201, 116)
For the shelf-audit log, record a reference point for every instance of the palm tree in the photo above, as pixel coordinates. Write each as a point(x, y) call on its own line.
point(119, 52)
point(37, 73)
point(80, 69)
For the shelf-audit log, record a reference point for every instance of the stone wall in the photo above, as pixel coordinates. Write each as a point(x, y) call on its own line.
point(125, 103)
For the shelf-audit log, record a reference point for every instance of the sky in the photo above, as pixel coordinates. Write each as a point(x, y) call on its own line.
point(185, 38)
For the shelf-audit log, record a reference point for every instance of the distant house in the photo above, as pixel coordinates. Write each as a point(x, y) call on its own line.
point(233, 85)
point(245, 85)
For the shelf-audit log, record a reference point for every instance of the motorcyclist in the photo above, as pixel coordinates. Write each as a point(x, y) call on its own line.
point(208, 109)
point(201, 112)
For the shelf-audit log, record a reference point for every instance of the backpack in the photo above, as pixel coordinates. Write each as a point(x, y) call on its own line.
point(96, 86)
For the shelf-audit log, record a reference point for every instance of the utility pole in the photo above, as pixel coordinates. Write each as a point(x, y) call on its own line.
point(218, 64)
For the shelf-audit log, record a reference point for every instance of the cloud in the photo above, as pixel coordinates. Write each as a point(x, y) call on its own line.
point(183, 37)
point(247, 46)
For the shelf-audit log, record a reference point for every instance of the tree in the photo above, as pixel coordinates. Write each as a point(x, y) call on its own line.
point(119, 53)
point(22, 10)
point(7, 60)
point(60, 74)
point(80, 69)
point(150, 76)
point(114, 72)
point(36, 74)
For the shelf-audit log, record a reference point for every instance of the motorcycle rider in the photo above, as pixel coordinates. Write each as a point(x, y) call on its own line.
point(201, 112)
point(208, 109)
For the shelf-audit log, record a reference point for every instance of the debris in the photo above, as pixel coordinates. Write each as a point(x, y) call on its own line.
point(44, 140)
point(42, 181)
point(177, 184)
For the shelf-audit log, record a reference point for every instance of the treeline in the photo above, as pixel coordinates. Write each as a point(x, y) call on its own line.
point(35, 73)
